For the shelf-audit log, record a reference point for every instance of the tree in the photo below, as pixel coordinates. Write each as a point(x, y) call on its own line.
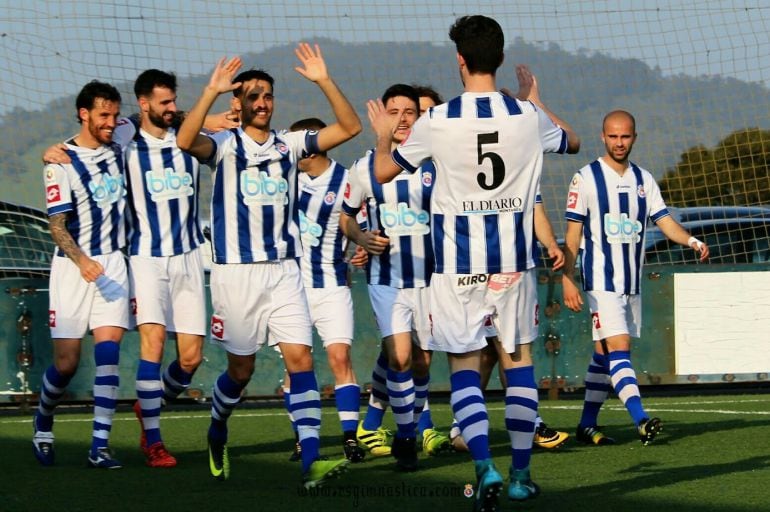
point(735, 172)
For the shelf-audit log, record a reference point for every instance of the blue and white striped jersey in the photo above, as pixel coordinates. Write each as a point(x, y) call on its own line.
point(401, 211)
point(323, 262)
point(163, 187)
point(92, 190)
point(488, 152)
point(254, 214)
point(613, 210)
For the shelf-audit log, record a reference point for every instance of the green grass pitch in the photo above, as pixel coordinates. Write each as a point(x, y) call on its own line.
point(713, 455)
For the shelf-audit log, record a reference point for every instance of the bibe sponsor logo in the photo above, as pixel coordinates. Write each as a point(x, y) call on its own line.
point(400, 220)
point(168, 184)
point(106, 189)
point(259, 188)
point(309, 230)
point(621, 230)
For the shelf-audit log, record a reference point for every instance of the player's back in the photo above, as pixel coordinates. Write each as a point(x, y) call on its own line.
point(488, 150)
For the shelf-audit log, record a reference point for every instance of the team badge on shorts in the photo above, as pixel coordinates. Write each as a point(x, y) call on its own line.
point(595, 320)
point(217, 327)
point(132, 305)
point(51, 318)
point(503, 281)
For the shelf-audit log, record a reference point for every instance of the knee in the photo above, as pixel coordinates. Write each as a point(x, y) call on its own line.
point(241, 372)
point(190, 362)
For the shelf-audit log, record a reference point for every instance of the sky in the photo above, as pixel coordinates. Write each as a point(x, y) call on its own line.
point(47, 46)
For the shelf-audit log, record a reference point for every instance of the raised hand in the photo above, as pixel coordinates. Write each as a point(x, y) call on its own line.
point(382, 124)
point(221, 79)
point(313, 65)
point(528, 89)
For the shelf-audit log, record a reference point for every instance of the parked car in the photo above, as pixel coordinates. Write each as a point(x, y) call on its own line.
point(25, 240)
point(730, 240)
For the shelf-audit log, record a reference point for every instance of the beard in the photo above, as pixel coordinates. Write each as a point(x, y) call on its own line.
point(160, 120)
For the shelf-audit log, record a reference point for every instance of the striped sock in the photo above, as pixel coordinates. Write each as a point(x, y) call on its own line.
point(348, 397)
point(471, 412)
point(51, 392)
point(378, 399)
point(624, 382)
point(598, 384)
point(401, 394)
point(225, 396)
point(421, 407)
point(426, 420)
point(148, 391)
point(305, 407)
point(106, 382)
point(287, 405)
point(521, 413)
point(175, 380)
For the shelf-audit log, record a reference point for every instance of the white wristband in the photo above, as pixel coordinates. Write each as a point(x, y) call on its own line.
point(693, 240)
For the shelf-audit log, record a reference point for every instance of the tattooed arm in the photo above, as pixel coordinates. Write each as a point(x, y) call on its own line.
point(89, 269)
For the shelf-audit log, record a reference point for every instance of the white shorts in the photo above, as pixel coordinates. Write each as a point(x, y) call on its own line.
point(75, 306)
point(331, 312)
point(398, 310)
point(258, 302)
point(614, 313)
point(170, 291)
point(461, 304)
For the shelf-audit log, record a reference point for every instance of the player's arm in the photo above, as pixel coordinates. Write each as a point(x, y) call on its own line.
point(348, 124)
point(529, 91)
point(371, 241)
point(385, 168)
point(89, 269)
point(189, 138)
point(676, 233)
point(544, 234)
point(570, 290)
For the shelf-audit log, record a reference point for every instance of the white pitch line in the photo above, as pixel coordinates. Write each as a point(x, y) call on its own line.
point(575, 407)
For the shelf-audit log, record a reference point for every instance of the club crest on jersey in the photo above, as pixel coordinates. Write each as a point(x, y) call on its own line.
point(217, 327)
point(640, 191)
point(401, 220)
point(260, 189)
point(427, 179)
point(51, 318)
point(52, 194)
point(49, 175)
point(106, 189)
point(281, 148)
point(572, 199)
point(330, 198)
point(168, 185)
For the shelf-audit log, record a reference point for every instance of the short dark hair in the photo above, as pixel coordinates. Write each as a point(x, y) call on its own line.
point(428, 92)
point(480, 41)
point(401, 90)
point(152, 78)
point(252, 74)
point(310, 123)
point(92, 90)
